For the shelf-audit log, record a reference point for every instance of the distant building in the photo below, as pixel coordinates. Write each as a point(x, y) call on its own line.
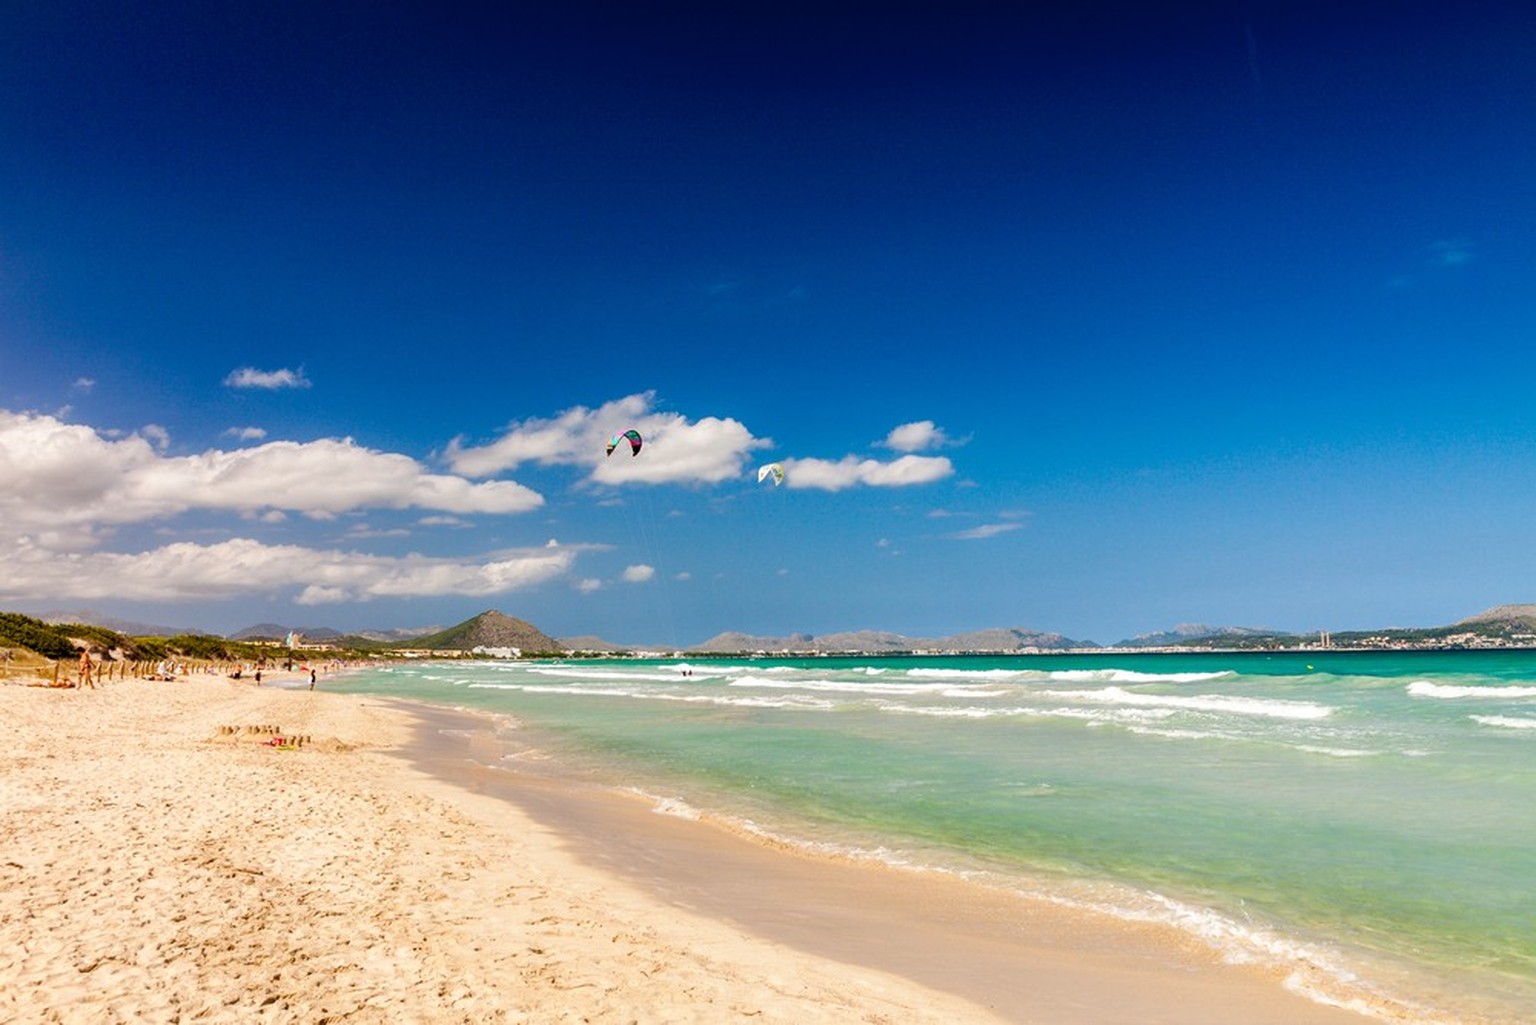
point(481, 649)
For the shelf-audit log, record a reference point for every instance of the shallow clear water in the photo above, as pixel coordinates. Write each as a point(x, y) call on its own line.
point(1365, 820)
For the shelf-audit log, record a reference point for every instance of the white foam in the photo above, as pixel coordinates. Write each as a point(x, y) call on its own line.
point(602, 675)
point(1097, 717)
point(1509, 722)
point(794, 701)
point(676, 809)
point(1132, 676)
point(970, 674)
point(1337, 752)
point(952, 712)
point(1272, 708)
point(870, 689)
point(1426, 689)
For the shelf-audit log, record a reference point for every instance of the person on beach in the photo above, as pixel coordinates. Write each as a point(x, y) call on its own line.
point(311, 679)
point(85, 670)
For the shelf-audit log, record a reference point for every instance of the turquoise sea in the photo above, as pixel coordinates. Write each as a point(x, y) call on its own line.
point(1364, 821)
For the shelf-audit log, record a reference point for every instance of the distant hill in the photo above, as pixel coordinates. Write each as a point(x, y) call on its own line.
point(489, 629)
point(1511, 618)
point(1199, 633)
point(1009, 639)
point(126, 627)
point(404, 633)
point(1002, 639)
point(590, 642)
point(277, 632)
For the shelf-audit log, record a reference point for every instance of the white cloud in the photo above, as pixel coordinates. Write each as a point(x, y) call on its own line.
point(250, 377)
point(84, 383)
point(984, 531)
point(916, 436)
point(675, 449)
point(68, 488)
point(58, 473)
point(246, 433)
point(851, 471)
point(190, 572)
point(639, 574)
point(158, 436)
point(587, 585)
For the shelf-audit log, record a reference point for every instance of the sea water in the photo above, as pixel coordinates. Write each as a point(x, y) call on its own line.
point(1363, 822)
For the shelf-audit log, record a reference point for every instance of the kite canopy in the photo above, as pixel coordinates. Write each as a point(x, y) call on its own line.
point(774, 470)
point(633, 437)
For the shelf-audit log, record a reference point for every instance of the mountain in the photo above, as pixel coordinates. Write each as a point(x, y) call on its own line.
point(1199, 633)
point(1503, 619)
point(489, 629)
point(127, 627)
point(1002, 639)
point(1009, 639)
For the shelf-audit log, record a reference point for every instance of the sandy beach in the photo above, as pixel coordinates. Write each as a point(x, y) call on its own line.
point(163, 859)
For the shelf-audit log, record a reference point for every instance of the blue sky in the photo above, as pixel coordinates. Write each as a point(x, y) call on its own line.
point(1093, 323)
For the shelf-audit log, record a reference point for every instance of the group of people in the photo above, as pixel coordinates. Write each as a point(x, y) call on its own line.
point(89, 672)
point(237, 674)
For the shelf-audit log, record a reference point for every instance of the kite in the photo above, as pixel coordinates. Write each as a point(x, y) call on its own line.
point(634, 441)
point(774, 470)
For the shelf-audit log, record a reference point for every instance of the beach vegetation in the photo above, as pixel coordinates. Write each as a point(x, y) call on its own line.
point(35, 635)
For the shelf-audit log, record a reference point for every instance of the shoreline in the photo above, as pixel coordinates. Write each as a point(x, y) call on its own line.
point(157, 866)
point(1022, 958)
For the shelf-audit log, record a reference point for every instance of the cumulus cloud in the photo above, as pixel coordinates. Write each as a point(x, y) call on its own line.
point(190, 572)
point(250, 377)
point(70, 488)
point(916, 437)
point(639, 574)
point(676, 449)
point(60, 473)
point(851, 471)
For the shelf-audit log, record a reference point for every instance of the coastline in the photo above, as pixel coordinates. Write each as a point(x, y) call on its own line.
point(1023, 959)
point(156, 865)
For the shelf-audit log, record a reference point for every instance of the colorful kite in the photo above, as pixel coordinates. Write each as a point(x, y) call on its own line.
point(634, 441)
